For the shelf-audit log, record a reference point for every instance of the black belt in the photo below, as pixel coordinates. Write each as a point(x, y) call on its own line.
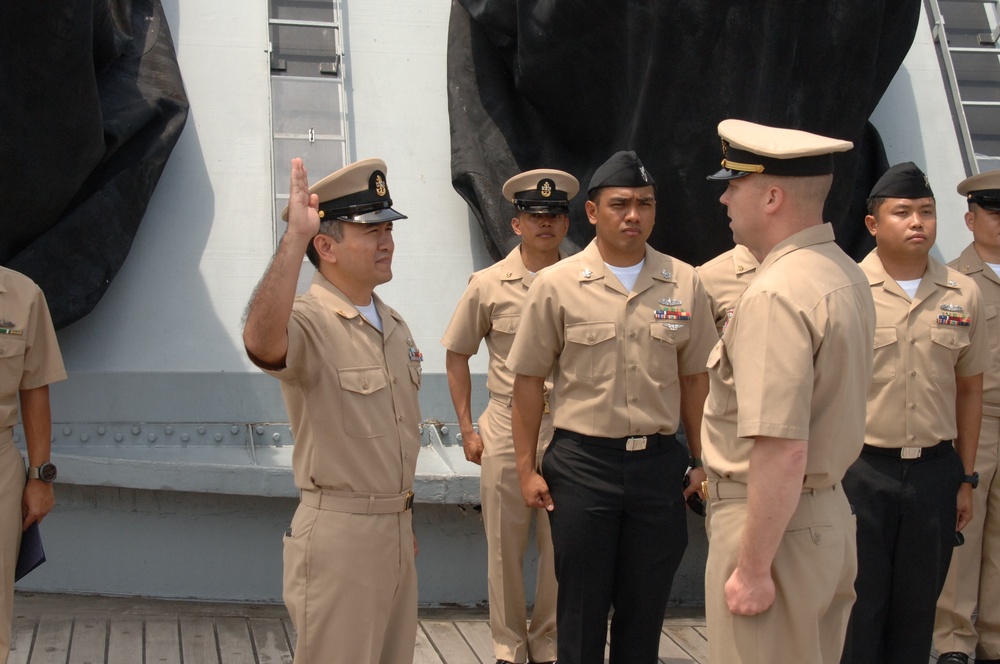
point(910, 453)
point(626, 443)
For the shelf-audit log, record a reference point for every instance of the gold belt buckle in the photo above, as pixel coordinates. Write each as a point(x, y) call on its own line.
point(704, 488)
point(910, 452)
point(635, 444)
point(408, 505)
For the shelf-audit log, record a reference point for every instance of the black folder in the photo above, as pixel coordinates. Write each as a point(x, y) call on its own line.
point(31, 554)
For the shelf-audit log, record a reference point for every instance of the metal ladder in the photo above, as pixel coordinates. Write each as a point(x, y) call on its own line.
point(970, 55)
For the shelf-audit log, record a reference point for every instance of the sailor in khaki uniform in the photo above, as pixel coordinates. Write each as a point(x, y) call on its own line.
point(490, 309)
point(785, 413)
point(349, 373)
point(907, 486)
point(624, 331)
point(973, 581)
point(29, 361)
point(725, 277)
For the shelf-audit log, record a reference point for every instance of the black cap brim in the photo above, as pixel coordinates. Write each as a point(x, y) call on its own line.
point(374, 217)
point(727, 174)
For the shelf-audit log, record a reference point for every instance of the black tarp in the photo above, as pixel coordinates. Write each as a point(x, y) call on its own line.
point(92, 103)
point(566, 83)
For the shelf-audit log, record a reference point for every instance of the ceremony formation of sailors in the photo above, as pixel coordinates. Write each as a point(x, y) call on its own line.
point(837, 423)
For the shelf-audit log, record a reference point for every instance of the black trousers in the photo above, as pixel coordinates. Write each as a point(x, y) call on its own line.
point(906, 512)
point(619, 530)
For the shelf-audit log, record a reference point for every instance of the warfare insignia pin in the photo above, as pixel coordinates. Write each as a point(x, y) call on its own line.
point(6, 323)
point(670, 302)
point(952, 307)
point(673, 326)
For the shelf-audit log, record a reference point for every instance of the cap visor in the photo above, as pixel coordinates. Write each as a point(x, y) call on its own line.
point(376, 217)
point(726, 174)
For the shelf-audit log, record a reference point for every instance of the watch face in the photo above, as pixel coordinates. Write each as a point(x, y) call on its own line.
point(47, 472)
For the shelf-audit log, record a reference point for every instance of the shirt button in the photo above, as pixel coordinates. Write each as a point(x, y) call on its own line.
point(633, 367)
point(913, 341)
point(634, 399)
point(912, 438)
point(913, 374)
point(394, 381)
point(913, 406)
point(590, 337)
point(400, 418)
point(364, 386)
point(631, 335)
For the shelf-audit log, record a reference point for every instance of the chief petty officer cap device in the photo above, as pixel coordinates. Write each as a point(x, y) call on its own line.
point(749, 148)
point(358, 193)
point(623, 169)
point(983, 190)
point(541, 191)
point(904, 180)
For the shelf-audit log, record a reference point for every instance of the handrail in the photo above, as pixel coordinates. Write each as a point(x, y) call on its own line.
point(941, 37)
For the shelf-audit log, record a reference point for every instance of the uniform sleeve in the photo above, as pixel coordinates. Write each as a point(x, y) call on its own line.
point(975, 358)
point(296, 364)
point(540, 333)
point(693, 355)
point(42, 361)
point(470, 322)
point(772, 356)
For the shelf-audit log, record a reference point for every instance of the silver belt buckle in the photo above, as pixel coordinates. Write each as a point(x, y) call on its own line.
point(635, 443)
point(910, 452)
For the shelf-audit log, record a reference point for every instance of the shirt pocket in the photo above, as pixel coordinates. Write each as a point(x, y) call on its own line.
point(992, 327)
point(663, 348)
point(719, 369)
point(502, 330)
point(363, 393)
point(11, 362)
point(591, 353)
point(886, 355)
point(948, 342)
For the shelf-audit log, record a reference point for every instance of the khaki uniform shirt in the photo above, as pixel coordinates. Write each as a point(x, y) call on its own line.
point(490, 308)
point(29, 352)
point(969, 263)
point(911, 402)
point(351, 395)
point(795, 362)
point(614, 364)
point(725, 277)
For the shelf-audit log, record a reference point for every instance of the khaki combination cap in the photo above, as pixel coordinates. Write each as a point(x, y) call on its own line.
point(357, 193)
point(542, 191)
point(982, 189)
point(748, 148)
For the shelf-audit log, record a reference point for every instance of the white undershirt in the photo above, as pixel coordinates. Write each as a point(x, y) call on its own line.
point(371, 314)
point(995, 267)
point(627, 275)
point(910, 286)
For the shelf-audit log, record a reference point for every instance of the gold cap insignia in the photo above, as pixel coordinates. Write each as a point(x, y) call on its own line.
point(380, 187)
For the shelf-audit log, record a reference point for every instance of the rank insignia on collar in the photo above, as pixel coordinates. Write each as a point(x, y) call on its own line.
point(952, 283)
point(416, 355)
point(670, 302)
point(954, 319)
point(508, 275)
point(665, 273)
point(951, 307)
point(586, 274)
point(671, 313)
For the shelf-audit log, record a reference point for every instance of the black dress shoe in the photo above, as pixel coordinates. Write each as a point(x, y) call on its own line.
point(988, 661)
point(953, 658)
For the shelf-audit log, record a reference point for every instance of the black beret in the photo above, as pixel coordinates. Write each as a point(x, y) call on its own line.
point(902, 181)
point(623, 169)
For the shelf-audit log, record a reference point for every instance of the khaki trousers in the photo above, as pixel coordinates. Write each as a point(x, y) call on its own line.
point(813, 574)
point(350, 586)
point(508, 525)
point(12, 480)
point(974, 576)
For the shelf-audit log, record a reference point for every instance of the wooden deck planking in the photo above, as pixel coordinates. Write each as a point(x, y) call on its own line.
point(76, 630)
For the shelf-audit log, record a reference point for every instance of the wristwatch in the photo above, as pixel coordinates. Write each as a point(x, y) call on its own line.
point(45, 472)
point(695, 462)
point(972, 479)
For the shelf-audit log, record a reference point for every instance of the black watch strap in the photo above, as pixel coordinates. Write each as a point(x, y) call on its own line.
point(972, 479)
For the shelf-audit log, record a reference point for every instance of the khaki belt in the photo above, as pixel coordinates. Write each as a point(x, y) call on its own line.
point(727, 489)
point(357, 503)
point(507, 401)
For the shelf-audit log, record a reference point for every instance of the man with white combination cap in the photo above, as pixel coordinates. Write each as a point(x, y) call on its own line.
point(973, 581)
point(349, 373)
point(785, 413)
point(490, 309)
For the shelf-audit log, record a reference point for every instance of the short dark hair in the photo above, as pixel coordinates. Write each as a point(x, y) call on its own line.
point(874, 203)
